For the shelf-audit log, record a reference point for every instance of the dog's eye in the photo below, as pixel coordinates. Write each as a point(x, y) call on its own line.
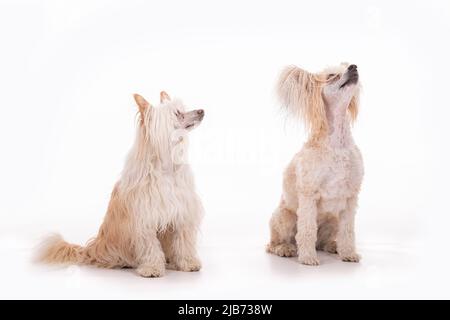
point(179, 114)
point(331, 75)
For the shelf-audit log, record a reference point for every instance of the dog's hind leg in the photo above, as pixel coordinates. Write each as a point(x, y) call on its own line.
point(165, 238)
point(326, 234)
point(282, 232)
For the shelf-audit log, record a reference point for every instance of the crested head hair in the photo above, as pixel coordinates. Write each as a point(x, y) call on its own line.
point(300, 93)
point(353, 107)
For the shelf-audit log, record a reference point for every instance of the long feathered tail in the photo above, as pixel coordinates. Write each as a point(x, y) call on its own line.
point(55, 250)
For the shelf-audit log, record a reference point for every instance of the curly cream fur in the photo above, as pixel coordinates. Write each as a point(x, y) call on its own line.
point(154, 212)
point(322, 182)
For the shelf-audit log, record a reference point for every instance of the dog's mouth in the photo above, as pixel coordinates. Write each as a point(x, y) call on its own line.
point(352, 77)
point(191, 125)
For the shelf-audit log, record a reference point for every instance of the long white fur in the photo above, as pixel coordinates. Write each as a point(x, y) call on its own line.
point(150, 166)
point(154, 212)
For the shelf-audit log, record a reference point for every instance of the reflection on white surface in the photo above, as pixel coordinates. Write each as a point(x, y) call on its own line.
point(231, 269)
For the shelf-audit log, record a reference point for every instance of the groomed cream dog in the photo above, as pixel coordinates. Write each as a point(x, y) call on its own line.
point(322, 182)
point(154, 212)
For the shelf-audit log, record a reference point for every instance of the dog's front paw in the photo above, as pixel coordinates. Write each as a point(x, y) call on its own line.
point(151, 270)
point(282, 250)
point(350, 257)
point(188, 264)
point(309, 259)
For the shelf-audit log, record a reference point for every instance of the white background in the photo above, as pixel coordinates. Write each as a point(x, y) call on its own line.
point(67, 73)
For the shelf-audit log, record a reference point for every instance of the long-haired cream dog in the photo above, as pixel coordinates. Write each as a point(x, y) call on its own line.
point(154, 212)
point(322, 182)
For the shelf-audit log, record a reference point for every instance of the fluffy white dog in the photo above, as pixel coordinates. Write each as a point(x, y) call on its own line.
point(154, 212)
point(322, 182)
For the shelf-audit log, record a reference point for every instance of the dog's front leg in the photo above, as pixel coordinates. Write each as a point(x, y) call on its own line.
point(183, 255)
point(150, 256)
point(346, 233)
point(307, 230)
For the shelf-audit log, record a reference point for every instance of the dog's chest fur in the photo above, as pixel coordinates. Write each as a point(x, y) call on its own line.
point(330, 175)
point(168, 199)
point(342, 174)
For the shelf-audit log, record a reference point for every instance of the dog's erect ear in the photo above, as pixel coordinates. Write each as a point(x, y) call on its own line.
point(164, 96)
point(142, 104)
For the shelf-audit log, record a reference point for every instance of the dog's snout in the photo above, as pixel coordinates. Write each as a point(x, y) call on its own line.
point(201, 112)
point(352, 67)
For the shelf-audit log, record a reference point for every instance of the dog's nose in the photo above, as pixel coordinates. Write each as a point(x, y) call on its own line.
point(352, 67)
point(200, 112)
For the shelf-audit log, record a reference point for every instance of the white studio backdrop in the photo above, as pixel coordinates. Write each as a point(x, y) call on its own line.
point(68, 70)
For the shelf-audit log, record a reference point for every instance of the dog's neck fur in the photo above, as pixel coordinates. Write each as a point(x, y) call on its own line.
point(339, 131)
point(145, 161)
